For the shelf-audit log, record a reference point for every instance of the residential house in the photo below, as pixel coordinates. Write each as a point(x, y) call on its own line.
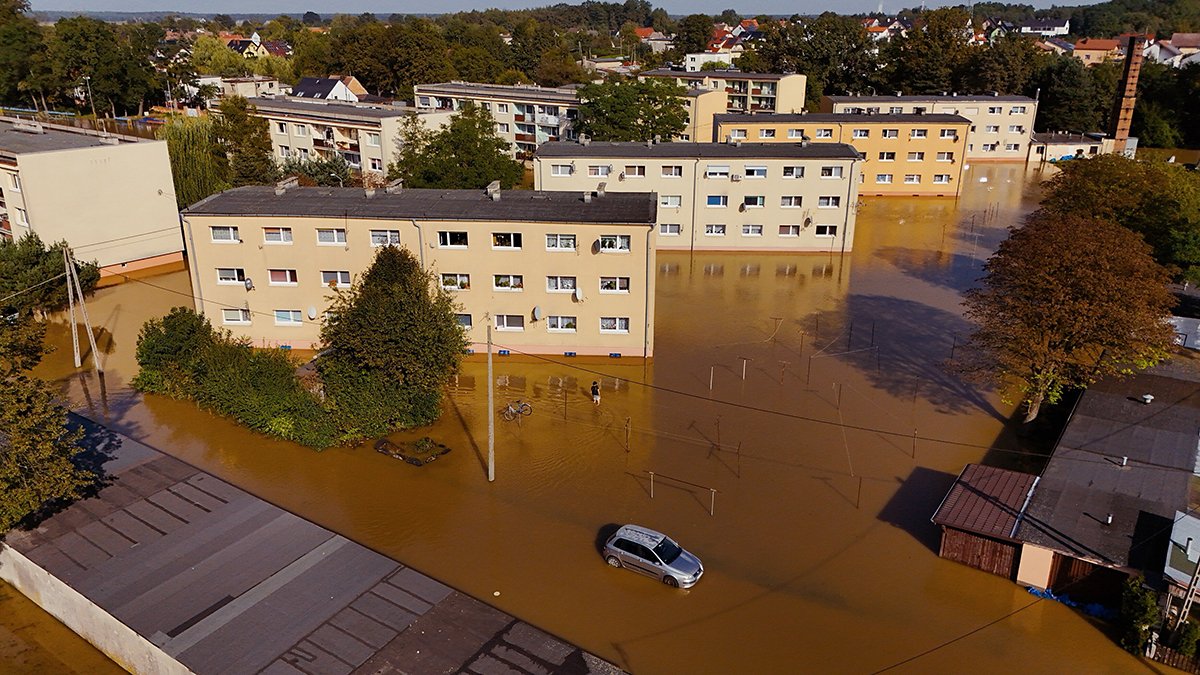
point(702, 106)
point(1186, 43)
point(1093, 51)
point(694, 63)
point(324, 88)
point(110, 197)
point(1060, 145)
point(1163, 52)
point(1000, 125)
point(1045, 27)
point(256, 47)
point(1055, 46)
point(746, 92)
point(721, 196)
point(553, 272)
point(656, 40)
point(526, 115)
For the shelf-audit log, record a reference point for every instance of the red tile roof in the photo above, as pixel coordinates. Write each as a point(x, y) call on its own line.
point(985, 500)
point(1097, 44)
point(644, 33)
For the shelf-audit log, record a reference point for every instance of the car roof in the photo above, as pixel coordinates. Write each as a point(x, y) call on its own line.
point(641, 535)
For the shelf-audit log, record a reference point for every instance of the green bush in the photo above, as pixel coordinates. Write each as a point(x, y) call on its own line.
point(1186, 639)
point(1139, 612)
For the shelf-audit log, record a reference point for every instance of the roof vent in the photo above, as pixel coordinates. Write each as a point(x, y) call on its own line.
point(600, 189)
point(493, 190)
point(28, 127)
point(369, 192)
point(1147, 399)
point(804, 141)
point(584, 140)
point(587, 198)
point(286, 184)
point(394, 187)
point(1108, 519)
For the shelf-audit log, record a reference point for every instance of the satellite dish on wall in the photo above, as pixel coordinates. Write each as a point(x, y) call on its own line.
point(312, 312)
point(537, 313)
point(578, 294)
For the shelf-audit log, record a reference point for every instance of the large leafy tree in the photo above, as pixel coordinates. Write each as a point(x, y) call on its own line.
point(246, 140)
point(695, 30)
point(20, 39)
point(27, 276)
point(199, 166)
point(1006, 66)
point(1064, 301)
point(632, 110)
point(932, 57)
point(1070, 99)
point(392, 340)
point(466, 154)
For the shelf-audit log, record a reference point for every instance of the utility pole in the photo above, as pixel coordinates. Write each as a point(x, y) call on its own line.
point(73, 281)
point(491, 406)
point(71, 305)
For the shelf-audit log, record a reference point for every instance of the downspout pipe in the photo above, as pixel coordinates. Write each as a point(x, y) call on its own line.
point(420, 242)
point(193, 265)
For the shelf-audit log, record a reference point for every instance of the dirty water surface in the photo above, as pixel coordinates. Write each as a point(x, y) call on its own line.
point(796, 429)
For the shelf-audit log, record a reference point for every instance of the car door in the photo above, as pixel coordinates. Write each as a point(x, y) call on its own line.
point(625, 552)
point(643, 560)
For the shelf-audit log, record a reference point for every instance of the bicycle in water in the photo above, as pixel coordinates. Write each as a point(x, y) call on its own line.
point(516, 409)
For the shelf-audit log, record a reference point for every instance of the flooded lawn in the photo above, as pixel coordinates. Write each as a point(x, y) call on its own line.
point(806, 487)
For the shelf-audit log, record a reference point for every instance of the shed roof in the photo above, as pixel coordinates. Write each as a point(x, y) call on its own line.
point(986, 500)
point(327, 109)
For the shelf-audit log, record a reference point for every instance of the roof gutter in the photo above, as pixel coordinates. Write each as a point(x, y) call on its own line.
point(1021, 514)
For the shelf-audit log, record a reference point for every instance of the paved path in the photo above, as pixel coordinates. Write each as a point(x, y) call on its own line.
point(226, 583)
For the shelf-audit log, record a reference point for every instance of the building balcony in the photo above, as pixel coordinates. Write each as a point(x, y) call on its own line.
point(547, 119)
point(526, 138)
point(520, 117)
point(321, 144)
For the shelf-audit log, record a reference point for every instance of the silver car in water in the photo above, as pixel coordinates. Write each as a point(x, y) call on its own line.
point(653, 554)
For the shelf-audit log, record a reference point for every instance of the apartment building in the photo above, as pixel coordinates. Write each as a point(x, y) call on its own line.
point(721, 196)
point(702, 106)
point(367, 136)
point(110, 197)
point(553, 272)
point(746, 92)
point(1001, 126)
point(526, 115)
point(909, 155)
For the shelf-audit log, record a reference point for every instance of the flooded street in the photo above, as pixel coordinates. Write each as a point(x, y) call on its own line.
point(806, 487)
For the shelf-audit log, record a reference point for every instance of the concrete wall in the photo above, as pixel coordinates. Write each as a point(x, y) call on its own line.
point(1035, 567)
point(130, 650)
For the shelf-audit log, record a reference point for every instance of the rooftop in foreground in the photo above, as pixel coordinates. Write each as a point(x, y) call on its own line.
point(815, 118)
point(329, 109)
point(717, 74)
point(917, 98)
point(17, 139)
point(701, 150)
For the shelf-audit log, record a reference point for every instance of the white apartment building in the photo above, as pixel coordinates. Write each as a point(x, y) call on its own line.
point(110, 197)
point(526, 115)
point(722, 196)
point(745, 92)
point(1001, 126)
point(367, 136)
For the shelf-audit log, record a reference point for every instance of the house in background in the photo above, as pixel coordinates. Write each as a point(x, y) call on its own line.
point(745, 92)
point(1045, 27)
point(324, 88)
point(256, 47)
point(1093, 51)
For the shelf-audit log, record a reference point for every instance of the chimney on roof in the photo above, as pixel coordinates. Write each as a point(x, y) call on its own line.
point(1188, 547)
point(1108, 520)
point(28, 126)
point(584, 140)
point(600, 189)
point(369, 192)
point(587, 198)
point(286, 184)
point(493, 190)
point(394, 187)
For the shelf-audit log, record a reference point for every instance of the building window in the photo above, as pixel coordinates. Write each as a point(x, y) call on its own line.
point(303, 152)
point(752, 230)
point(672, 171)
point(826, 230)
point(510, 322)
point(502, 107)
point(831, 172)
point(300, 129)
point(224, 234)
point(23, 217)
point(508, 282)
point(756, 172)
point(919, 133)
point(615, 243)
point(385, 237)
point(287, 317)
point(887, 156)
point(991, 147)
point(237, 317)
point(635, 171)
point(895, 110)
point(502, 127)
point(670, 201)
point(824, 133)
point(716, 171)
point(995, 110)
point(766, 133)
point(941, 178)
point(883, 178)
point(754, 201)
point(912, 178)
point(376, 164)
point(282, 277)
point(614, 284)
point(1017, 110)
point(992, 129)
point(599, 170)
point(829, 202)
point(789, 230)
point(561, 324)
point(714, 230)
point(1012, 147)
point(891, 133)
point(560, 284)
point(718, 201)
point(452, 239)
point(336, 278)
point(285, 151)
point(464, 321)
point(280, 127)
point(561, 170)
point(1016, 129)
point(560, 242)
point(797, 134)
point(737, 133)
point(861, 133)
point(614, 324)
point(948, 133)
point(331, 236)
point(669, 229)
point(916, 157)
point(791, 201)
point(793, 172)
point(231, 275)
point(456, 282)
point(372, 139)
point(945, 157)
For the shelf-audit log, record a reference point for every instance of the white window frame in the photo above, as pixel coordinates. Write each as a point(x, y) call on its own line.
point(618, 322)
point(502, 321)
point(335, 231)
point(393, 238)
point(888, 156)
point(599, 170)
point(883, 179)
point(754, 201)
point(557, 283)
point(737, 133)
point(1012, 147)
point(670, 201)
point(916, 156)
point(468, 324)
point(723, 201)
point(669, 229)
point(515, 238)
point(941, 179)
point(755, 172)
point(752, 230)
point(791, 201)
point(860, 133)
point(829, 202)
point(912, 179)
point(824, 133)
point(948, 133)
point(561, 170)
point(338, 277)
point(281, 128)
point(831, 172)
point(635, 171)
point(376, 164)
point(796, 134)
point(444, 239)
point(295, 317)
point(830, 231)
point(945, 157)
point(716, 171)
point(714, 230)
point(995, 110)
point(672, 171)
point(235, 236)
point(616, 283)
point(238, 277)
point(991, 129)
point(556, 323)
point(243, 317)
point(766, 133)
point(919, 133)
point(373, 139)
point(502, 107)
point(516, 283)
point(797, 172)
point(562, 242)
point(457, 281)
point(790, 230)
point(300, 129)
point(292, 275)
point(616, 243)
point(891, 133)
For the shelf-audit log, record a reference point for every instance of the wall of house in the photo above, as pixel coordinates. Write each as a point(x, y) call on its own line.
point(480, 261)
point(1035, 567)
point(687, 222)
point(983, 553)
point(701, 109)
point(551, 120)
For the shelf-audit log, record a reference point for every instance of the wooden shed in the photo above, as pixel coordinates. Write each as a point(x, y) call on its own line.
point(980, 515)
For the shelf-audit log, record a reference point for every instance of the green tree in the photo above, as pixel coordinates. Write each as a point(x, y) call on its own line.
point(557, 67)
point(834, 51)
point(631, 111)
point(392, 341)
point(311, 19)
point(246, 140)
point(933, 57)
point(1006, 66)
point(466, 154)
point(322, 171)
point(199, 166)
point(20, 39)
point(210, 56)
point(28, 270)
point(1139, 612)
point(1108, 309)
point(312, 54)
point(1069, 97)
point(695, 30)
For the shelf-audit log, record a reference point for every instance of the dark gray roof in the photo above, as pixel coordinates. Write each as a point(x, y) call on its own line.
point(328, 109)
point(515, 92)
point(917, 98)
point(720, 74)
point(55, 137)
point(986, 500)
point(1084, 481)
point(315, 87)
point(513, 205)
point(816, 118)
point(1065, 139)
point(700, 150)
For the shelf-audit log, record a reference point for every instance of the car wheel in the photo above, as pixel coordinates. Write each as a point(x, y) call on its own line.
point(612, 561)
point(671, 581)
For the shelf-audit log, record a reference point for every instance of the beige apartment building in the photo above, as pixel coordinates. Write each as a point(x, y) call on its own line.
point(745, 92)
point(563, 273)
point(722, 196)
point(367, 136)
point(526, 115)
point(110, 197)
point(702, 106)
point(1001, 126)
point(907, 155)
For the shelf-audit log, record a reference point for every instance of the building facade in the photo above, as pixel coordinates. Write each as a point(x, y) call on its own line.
point(1000, 125)
point(110, 197)
point(746, 92)
point(909, 155)
point(526, 115)
point(721, 196)
point(366, 136)
point(554, 273)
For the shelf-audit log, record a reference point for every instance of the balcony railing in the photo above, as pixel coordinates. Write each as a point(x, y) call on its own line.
point(527, 138)
point(547, 119)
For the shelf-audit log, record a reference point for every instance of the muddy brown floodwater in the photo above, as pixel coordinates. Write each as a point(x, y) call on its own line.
point(819, 552)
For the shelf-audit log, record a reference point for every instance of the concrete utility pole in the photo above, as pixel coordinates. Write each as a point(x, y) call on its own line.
point(491, 407)
point(73, 283)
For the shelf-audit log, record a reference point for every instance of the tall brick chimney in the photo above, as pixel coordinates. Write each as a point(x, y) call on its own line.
point(1122, 113)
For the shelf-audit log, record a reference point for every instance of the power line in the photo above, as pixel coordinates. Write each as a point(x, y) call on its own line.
point(30, 288)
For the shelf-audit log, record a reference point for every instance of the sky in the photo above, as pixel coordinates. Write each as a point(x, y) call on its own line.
point(386, 7)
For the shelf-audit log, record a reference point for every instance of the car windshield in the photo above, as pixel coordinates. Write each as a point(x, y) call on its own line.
point(667, 550)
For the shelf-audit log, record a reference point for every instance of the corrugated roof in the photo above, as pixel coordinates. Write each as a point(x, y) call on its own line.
point(986, 500)
point(697, 150)
point(465, 205)
point(815, 118)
